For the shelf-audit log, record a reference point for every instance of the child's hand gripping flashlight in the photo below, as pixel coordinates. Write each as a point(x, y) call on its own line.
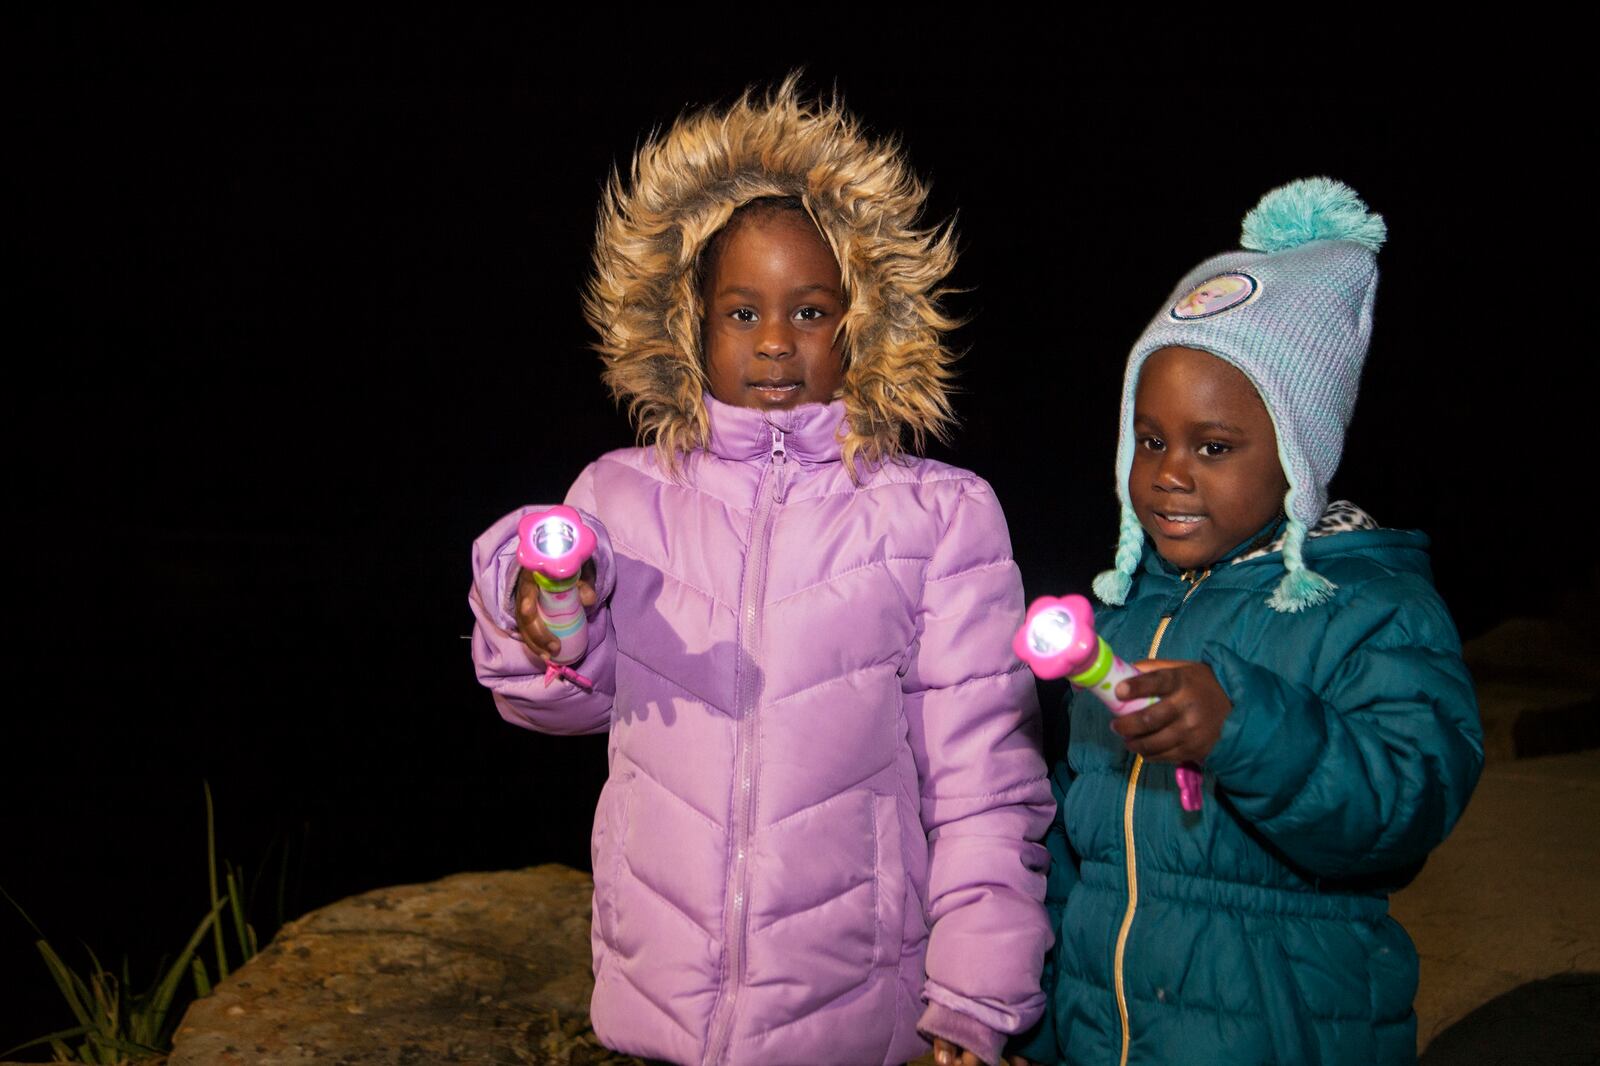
point(1058, 640)
point(553, 545)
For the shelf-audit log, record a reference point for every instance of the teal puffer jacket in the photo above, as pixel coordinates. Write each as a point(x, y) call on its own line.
point(1256, 930)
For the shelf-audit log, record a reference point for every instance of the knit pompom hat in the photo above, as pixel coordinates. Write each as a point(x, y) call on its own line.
point(1293, 312)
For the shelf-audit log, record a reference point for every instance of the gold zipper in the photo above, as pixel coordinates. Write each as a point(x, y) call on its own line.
point(1127, 834)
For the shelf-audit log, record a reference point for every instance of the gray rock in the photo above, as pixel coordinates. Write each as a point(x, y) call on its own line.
point(476, 968)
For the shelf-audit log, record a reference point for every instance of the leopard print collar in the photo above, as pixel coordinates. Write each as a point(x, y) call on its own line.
point(1342, 516)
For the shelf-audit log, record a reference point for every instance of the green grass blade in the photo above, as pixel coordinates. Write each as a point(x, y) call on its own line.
point(71, 985)
point(94, 1050)
point(106, 991)
point(118, 1048)
point(53, 1039)
point(202, 983)
point(31, 924)
point(211, 873)
point(236, 900)
point(161, 1001)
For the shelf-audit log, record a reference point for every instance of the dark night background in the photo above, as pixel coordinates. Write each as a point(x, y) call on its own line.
point(290, 298)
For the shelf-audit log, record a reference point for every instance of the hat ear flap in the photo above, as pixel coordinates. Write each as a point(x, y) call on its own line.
point(1112, 585)
point(1300, 587)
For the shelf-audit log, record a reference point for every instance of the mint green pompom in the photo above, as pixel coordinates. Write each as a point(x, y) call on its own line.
point(1112, 587)
point(1299, 589)
point(1311, 209)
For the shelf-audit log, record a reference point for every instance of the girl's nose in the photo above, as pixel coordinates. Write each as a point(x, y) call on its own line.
point(1172, 475)
point(776, 340)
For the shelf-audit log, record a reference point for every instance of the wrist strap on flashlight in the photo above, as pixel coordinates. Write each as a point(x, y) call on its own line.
point(555, 671)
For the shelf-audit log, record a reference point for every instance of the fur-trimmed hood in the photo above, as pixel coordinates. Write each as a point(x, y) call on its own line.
point(644, 300)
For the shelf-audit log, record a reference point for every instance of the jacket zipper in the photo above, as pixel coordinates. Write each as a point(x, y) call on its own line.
point(769, 493)
point(1127, 832)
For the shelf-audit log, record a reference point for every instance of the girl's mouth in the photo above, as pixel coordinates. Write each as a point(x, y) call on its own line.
point(1177, 525)
point(776, 391)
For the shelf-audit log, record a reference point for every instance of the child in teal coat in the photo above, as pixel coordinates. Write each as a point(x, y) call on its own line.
point(1300, 655)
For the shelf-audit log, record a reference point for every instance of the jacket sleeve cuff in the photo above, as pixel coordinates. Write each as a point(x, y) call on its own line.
point(969, 1033)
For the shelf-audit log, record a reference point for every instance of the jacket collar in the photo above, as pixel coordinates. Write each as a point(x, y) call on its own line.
point(1398, 549)
point(810, 431)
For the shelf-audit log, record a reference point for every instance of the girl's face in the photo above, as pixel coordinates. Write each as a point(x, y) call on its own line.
point(774, 302)
point(1205, 464)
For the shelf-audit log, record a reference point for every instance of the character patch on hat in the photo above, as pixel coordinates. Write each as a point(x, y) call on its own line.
point(1216, 295)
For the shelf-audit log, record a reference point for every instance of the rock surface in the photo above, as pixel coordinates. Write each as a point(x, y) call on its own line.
point(1507, 907)
point(476, 968)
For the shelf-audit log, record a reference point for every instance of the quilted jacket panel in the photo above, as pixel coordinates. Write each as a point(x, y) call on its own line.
point(813, 761)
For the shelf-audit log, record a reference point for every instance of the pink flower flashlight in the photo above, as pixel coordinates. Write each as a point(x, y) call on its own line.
point(1058, 640)
point(553, 545)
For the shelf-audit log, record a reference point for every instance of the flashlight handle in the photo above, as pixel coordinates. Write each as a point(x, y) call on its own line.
point(562, 614)
point(1105, 686)
point(1103, 682)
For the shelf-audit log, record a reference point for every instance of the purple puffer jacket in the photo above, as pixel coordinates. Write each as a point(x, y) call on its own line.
point(821, 745)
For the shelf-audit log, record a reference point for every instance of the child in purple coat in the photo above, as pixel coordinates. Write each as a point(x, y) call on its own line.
point(817, 840)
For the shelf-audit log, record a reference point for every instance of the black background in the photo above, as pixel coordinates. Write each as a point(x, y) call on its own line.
point(298, 317)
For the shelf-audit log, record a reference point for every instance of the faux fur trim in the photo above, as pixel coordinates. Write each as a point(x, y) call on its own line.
point(644, 302)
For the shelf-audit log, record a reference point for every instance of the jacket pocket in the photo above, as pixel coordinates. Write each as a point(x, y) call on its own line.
point(606, 850)
point(889, 881)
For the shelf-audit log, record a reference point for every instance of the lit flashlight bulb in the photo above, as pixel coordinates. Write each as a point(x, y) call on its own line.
point(1050, 632)
point(1057, 639)
point(553, 545)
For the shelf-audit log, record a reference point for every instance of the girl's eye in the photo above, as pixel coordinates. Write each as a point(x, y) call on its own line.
point(1152, 444)
point(743, 314)
point(1214, 448)
point(809, 314)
